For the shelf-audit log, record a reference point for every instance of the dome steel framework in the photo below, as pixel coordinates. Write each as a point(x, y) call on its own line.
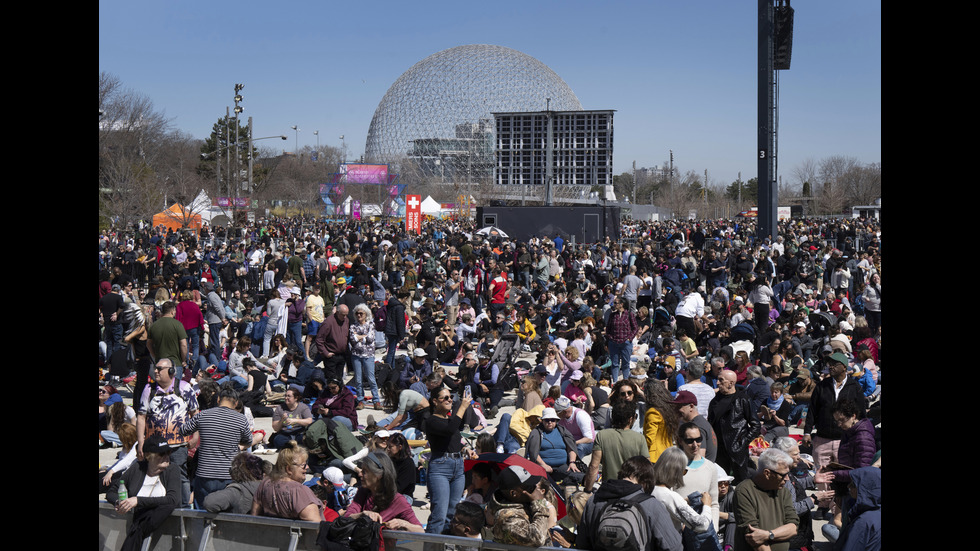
point(439, 112)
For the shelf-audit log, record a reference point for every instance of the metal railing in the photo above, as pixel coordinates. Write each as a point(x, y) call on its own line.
point(189, 529)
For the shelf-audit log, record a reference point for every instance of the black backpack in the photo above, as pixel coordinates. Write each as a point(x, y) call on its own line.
point(360, 534)
point(623, 525)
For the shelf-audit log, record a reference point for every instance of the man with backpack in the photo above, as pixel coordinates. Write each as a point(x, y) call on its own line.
point(622, 517)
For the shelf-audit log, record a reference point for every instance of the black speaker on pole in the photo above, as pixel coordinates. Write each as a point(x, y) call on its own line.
point(783, 37)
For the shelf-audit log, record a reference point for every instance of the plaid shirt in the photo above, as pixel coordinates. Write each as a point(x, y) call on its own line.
point(309, 267)
point(622, 326)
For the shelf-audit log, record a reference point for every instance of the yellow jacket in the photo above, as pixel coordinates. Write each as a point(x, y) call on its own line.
point(656, 433)
point(527, 331)
point(520, 427)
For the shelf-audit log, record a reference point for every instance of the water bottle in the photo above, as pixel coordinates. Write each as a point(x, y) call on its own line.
point(123, 492)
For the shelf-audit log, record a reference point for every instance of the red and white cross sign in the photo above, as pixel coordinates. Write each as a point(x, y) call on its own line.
point(413, 214)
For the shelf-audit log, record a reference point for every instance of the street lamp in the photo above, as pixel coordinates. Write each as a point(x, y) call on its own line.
point(343, 146)
point(296, 146)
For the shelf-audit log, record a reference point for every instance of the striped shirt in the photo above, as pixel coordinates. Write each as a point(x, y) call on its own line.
point(222, 429)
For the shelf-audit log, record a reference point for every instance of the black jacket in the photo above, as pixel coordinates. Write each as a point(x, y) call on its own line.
point(395, 319)
point(736, 426)
point(822, 402)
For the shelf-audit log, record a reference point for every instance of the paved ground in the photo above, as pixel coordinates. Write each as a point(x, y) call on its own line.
point(107, 456)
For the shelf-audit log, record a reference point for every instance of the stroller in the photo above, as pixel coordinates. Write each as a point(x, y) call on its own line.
point(505, 355)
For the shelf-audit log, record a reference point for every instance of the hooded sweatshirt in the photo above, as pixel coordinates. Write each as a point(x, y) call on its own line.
point(863, 530)
point(661, 528)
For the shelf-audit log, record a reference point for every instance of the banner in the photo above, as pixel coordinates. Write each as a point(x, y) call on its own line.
point(413, 214)
point(365, 174)
point(355, 210)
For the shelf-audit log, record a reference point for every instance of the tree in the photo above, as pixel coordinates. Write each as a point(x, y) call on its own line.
point(131, 139)
point(623, 185)
point(749, 191)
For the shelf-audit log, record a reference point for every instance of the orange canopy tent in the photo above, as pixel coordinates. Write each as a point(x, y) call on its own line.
point(176, 217)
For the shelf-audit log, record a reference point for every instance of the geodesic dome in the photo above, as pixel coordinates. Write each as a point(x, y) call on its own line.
point(438, 113)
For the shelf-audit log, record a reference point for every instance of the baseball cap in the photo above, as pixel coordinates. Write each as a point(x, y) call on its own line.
point(419, 352)
point(516, 476)
point(838, 357)
point(334, 475)
point(685, 397)
point(562, 403)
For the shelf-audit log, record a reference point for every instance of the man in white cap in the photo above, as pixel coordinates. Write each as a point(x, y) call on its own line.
point(578, 423)
point(417, 369)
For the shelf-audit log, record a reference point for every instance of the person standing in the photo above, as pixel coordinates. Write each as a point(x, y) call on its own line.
point(224, 433)
point(165, 407)
point(821, 429)
point(734, 420)
point(110, 306)
point(445, 478)
point(701, 474)
point(620, 331)
point(394, 325)
point(615, 445)
point(362, 354)
point(331, 342)
point(215, 319)
point(167, 339)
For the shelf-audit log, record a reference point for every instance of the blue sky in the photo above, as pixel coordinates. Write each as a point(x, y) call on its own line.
point(680, 75)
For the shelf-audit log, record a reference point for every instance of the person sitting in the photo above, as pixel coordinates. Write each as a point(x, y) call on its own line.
point(553, 447)
point(290, 420)
point(246, 473)
point(153, 485)
point(378, 497)
point(405, 468)
point(126, 433)
point(468, 522)
point(410, 409)
point(774, 413)
point(668, 474)
point(338, 403)
point(520, 512)
point(282, 494)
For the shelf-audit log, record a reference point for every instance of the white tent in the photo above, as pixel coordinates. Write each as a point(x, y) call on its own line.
point(431, 206)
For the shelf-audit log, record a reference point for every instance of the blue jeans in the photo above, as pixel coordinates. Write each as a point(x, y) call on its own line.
point(239, 382)
point(503, 435)
point(294, 333)
point(214, 338)
point(113, 338)
point(205, 486)
point(392, 348)
point(584, 449)
point(446, 482)
point(194, 351)
point(619, 354)
point(408, 432)
point(344, 421)
point(365, 365)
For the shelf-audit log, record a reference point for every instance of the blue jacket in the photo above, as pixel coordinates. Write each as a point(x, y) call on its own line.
point(863, 529)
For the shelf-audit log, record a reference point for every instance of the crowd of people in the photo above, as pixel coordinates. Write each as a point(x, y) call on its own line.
point(668, 376)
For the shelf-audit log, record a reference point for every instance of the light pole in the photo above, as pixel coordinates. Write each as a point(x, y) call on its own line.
point(296, 145)
point(317, 134)
point(343, 146)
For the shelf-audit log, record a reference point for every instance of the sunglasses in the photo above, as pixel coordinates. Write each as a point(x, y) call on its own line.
point(690, 441)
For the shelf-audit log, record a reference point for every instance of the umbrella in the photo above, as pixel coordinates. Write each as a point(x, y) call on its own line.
point(492, 231)
point(501, 461)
